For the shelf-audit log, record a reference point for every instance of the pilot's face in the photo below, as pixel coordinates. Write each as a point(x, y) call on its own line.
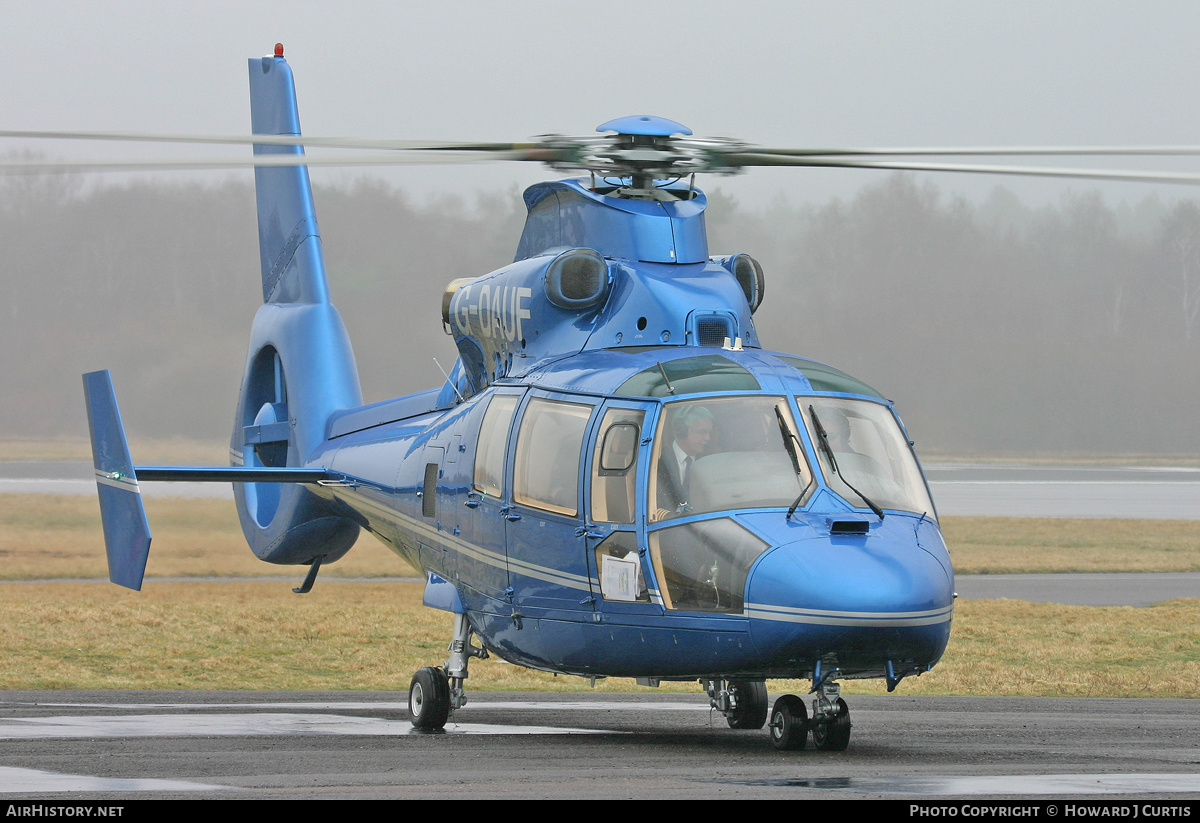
point(698, 438)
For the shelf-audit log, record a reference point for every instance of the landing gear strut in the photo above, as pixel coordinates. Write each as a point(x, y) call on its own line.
point(829, 723)
point(436, 692)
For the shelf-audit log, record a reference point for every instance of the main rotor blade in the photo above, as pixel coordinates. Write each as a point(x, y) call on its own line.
point(981, 151)
point(437, 145)
point(424, 157)
point(748, 159)
point(265, 140)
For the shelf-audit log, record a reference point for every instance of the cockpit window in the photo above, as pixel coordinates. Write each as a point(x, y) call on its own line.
point(827, 378)
point(689, 375)
point(872, 455)
point(727, 453)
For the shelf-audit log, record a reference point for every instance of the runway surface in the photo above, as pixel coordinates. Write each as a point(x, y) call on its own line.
point(1129, 589)
point(1013, 490)
point(108, 745)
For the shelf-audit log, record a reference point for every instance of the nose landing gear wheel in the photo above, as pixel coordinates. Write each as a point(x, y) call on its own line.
point(429, 699)
point(789, 724)
point(833, 735)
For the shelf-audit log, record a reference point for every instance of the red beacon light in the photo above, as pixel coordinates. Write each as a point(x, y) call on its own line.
point(279, 49)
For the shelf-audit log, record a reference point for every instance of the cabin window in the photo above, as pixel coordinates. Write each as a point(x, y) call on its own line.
point(702, 566)
point(549, 446)
point(493, 437)
point(727, 453)
point(620, 569)
point(614, 466)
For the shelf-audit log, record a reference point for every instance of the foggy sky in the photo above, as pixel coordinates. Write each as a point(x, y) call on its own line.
point(770, 73)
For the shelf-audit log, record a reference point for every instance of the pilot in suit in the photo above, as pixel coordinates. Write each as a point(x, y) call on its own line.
point(692, 428)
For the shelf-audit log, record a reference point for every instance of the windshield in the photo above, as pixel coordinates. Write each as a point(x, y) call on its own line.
point(723, 453)
point(871, 452)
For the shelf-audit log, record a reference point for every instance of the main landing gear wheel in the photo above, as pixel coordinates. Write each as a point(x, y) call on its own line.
point(750, 709)
point(833, 735)
point(789, 724)
point(429, 699)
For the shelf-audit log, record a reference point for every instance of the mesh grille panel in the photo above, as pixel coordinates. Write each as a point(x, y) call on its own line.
point(712, 331)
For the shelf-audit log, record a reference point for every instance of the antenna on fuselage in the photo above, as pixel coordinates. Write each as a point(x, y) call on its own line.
point(461, 399)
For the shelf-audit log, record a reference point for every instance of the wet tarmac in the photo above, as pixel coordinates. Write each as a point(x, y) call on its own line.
point(104, 745)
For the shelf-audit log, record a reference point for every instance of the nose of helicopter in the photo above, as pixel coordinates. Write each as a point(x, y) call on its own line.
point(863, 601)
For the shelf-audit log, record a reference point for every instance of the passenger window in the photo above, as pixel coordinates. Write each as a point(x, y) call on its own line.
point(549, 445)
point(493, 437)
point(614, 466)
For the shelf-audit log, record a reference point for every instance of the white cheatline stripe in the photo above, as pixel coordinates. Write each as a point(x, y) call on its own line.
point(825, 617)
point(118, 481)
point(419, 529)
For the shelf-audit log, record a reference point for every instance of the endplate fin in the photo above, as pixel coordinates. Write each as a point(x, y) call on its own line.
point(126, 531)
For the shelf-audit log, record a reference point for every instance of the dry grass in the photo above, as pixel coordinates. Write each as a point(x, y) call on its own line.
point(146, 452)
point(1024, 545)
point(373, 636)
point(46, 536)
point(1012, 647)
point(258, 635)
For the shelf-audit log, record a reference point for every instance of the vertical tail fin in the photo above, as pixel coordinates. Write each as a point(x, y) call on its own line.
point(126, 532)
point(293, 267)
point(300, 367)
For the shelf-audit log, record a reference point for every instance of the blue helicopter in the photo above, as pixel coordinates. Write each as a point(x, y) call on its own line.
point(615, 480)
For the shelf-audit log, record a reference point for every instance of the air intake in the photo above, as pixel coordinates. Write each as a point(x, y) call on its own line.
point(577, 279)
point(749, 275)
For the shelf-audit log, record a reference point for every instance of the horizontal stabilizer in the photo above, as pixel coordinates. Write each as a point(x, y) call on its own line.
point(126, 532)
point(233, 474)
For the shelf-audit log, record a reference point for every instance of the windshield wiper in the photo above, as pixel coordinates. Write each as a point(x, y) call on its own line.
point(824, 438)
point(792, 444)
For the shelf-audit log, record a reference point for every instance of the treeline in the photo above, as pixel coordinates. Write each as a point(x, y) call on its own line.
point(1000, 328)
point(995, 327)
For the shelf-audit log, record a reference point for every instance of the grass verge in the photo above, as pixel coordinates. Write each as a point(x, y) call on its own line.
point(1028, 545)
point(258, 635)
point(373, 636)
point(52, 536)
